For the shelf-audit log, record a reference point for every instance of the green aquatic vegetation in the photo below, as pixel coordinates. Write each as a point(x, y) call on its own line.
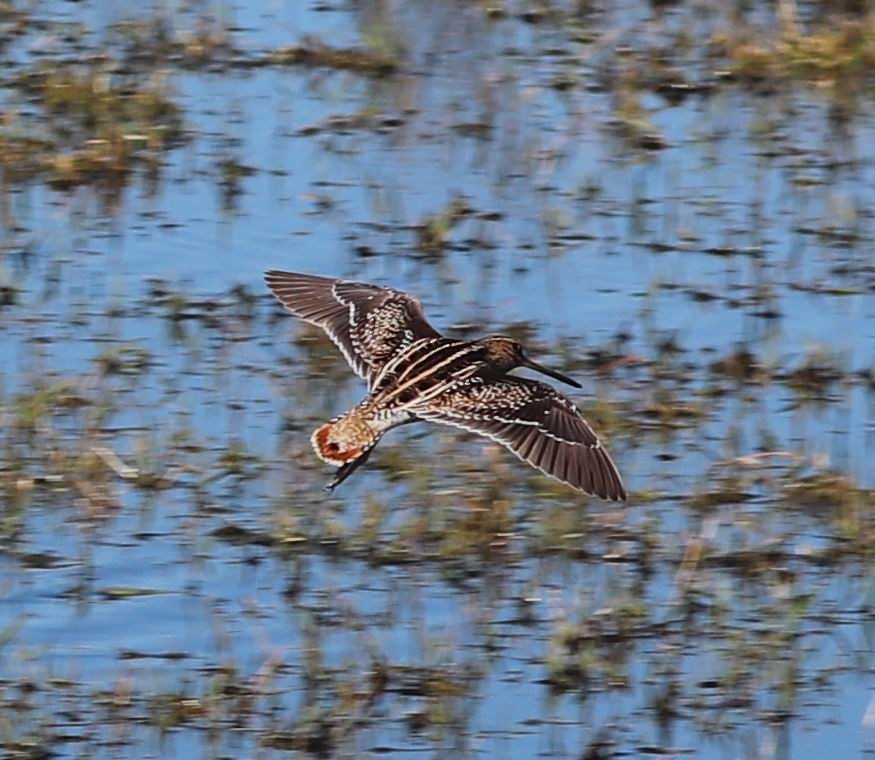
point(173, 709)
point(9, 632)
point(22, 156)
point(124, 360)
point(632, 119)
point(559, 528)
point(372, 521)
point(611, 418)
point(236, 459)
point(151, 460)
point(341, 700)
point(824, 489)
point(494, 9)
point(231, 173)
point(839, 53)
point(320, 356)
point(147, 39)
point(817, 373)
point(312, 52)
point(754, 562)
point(239, 535)
point(592, 655)
point(212, 43)
point(127, 592)
point(729, 488)
point(453, 526)
point(434, 230)
point(742, 366)
point(97, 103)
point(92, 126)
point(313, 738)
point(34, 407)
point(368, 118)
point(477, 526)
point(401, 465)
point(665, 411)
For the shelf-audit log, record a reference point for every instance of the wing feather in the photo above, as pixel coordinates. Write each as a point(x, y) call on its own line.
point(528, 439)
point(368, 323)
point(538, 424)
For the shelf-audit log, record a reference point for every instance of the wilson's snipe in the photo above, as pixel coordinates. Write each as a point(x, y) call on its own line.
point(414, 373)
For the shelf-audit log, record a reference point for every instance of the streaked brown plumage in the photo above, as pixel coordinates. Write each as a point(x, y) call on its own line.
point(415, 373)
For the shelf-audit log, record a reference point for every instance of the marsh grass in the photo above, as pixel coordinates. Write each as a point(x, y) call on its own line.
point(95, 124)
point(837, 53)
point(312, 52)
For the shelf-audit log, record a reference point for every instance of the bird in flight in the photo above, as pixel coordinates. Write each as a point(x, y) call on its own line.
point(415, 373)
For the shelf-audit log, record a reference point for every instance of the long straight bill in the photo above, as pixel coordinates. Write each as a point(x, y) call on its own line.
point(551, 373)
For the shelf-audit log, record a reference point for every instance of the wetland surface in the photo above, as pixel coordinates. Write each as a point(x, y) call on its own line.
point(670, 201)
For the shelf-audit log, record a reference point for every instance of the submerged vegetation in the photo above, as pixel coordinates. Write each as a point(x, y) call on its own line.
point(659, 187)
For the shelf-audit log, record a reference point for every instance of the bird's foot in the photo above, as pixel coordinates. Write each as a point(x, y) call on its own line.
point(344, 471)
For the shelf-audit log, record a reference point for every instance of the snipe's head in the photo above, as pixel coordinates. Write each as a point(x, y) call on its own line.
point(505, 354)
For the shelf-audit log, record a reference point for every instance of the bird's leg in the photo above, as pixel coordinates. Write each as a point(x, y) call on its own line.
point(344, 471)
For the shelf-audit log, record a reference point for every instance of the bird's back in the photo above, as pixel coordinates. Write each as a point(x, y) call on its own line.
point(425, 369)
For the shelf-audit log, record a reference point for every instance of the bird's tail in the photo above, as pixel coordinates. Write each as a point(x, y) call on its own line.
point(345, 438)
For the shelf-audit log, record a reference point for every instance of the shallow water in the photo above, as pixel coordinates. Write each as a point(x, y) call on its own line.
point(173, 578)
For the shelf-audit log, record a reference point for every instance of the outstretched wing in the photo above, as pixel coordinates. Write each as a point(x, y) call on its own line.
point(538, 424)
point(368, 323)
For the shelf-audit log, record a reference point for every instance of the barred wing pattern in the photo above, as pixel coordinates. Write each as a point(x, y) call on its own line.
point(538, 424)
point(369, 324)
